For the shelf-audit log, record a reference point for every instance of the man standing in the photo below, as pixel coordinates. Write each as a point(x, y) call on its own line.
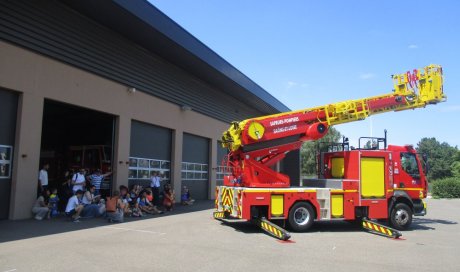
point(97, 178)
point(43, 178)
point(155, 185)
point(78, 180)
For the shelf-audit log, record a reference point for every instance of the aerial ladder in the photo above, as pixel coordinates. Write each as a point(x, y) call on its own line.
point(256, 145)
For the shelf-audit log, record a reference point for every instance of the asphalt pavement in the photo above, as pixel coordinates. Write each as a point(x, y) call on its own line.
point(190, 240)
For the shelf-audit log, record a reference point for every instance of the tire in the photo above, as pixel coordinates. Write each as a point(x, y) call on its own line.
point(301, 216)
point(401, 216)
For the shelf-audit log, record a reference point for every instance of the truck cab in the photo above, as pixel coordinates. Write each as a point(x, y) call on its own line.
point(409, 175)
point(390, 181)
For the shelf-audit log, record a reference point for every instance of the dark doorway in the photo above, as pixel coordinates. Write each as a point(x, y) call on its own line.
point(75, 137)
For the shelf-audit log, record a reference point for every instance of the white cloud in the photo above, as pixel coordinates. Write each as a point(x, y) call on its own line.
point(293, 84)
point(366, 76)
point(412, 46)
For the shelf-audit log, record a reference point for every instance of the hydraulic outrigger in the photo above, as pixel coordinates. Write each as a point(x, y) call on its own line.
point(268, 227)
point(380, 229)
point(282, 234)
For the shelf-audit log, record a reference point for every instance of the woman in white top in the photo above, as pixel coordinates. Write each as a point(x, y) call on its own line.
point(90, 206)
point(89, 197)
point(40, 208)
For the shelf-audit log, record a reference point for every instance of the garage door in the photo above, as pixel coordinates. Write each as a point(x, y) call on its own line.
point(150, 152)
point(195, 165)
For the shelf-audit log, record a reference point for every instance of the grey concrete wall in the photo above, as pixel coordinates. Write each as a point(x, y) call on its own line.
point(37, 77)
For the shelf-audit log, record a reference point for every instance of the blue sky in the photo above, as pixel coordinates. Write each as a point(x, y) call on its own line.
point(310, 53)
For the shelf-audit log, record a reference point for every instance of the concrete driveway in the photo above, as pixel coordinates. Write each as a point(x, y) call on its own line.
point(190, 240)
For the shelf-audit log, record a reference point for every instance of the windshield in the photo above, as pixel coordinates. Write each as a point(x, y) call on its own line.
point(409, 164)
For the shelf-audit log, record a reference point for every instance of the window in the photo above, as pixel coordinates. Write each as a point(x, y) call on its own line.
point(194, 171)
point(409, 164)
point(6, 152)
point(221, 172)
point(142, 168)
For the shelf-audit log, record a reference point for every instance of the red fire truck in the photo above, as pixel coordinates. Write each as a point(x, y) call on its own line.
point(362, 184)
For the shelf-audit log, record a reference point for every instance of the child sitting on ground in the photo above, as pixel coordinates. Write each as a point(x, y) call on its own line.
point(134, 194)
point(145, 205)
point(168, 197)
point(53, 203)
point(185, 197)
point(149, 195)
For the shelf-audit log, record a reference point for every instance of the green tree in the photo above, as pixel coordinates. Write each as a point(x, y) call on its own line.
point(456, 169)
point(370, 144)
point(456, 165)
point(441, 158)
point(309, 150)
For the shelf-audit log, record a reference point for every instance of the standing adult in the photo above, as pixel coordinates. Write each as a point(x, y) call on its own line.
point(155, 185)
point(97, 178)
point(78, 180)
point(43, 178)
point(66, 191)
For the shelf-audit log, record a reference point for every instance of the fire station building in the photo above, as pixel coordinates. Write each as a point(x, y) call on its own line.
point(114, 85)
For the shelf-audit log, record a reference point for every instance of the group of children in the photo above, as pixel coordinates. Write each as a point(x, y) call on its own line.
point(136, 202)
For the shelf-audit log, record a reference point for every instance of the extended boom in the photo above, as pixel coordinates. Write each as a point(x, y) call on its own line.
point(256, 144)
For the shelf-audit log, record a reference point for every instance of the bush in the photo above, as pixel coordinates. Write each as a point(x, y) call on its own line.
point(446, 188)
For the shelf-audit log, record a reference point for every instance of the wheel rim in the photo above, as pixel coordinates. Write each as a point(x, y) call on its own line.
point(301, 216)
point(401, 217)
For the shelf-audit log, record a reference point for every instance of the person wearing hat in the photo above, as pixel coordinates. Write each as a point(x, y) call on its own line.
point(96, 179)
point(74, 206)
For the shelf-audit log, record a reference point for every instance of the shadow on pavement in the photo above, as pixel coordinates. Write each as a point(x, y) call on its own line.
point(244, 227)
point(425, 223)
point(24, 229)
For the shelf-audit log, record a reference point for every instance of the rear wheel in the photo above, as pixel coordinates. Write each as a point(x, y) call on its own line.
point(301, 216)
point(401, 216)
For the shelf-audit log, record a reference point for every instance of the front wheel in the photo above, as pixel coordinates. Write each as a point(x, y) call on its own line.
point(401, 216)
point(301, 216)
